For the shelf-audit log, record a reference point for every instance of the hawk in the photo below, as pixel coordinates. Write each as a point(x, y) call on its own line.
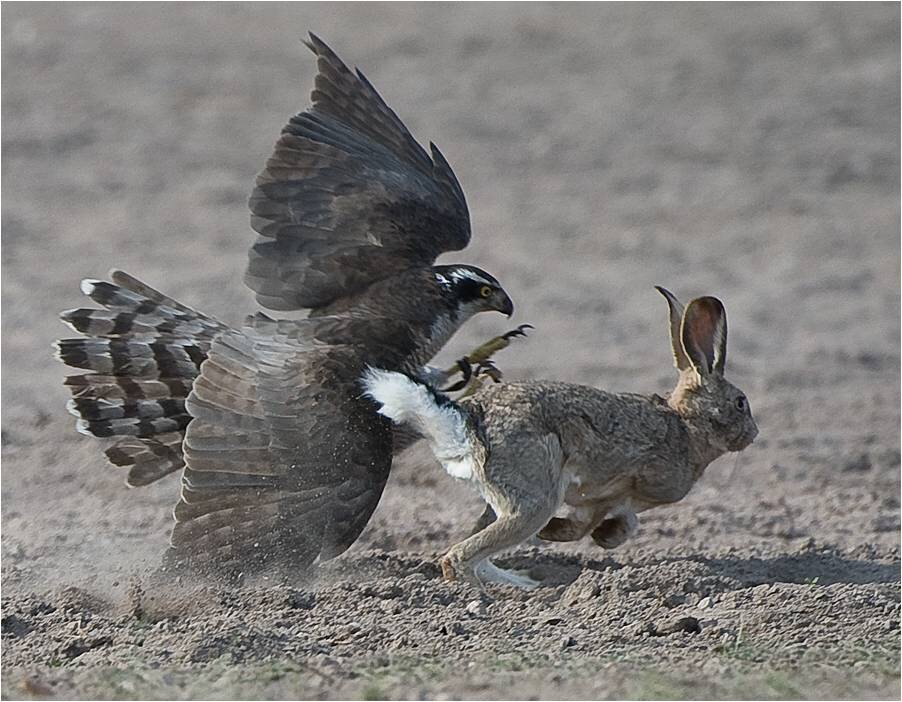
point(283, 459)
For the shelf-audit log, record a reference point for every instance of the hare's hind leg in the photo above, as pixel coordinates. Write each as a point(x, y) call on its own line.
point(488, 572)
point(523, 486)
point(486, 518)
point(470, 558)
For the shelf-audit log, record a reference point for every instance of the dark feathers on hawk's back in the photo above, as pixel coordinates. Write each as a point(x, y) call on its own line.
point(348, 197)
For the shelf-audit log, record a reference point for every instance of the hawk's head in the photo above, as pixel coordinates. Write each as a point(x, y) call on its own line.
point(473, 289)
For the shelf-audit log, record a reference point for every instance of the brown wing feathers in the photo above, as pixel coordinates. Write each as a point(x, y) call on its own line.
point(353, 100)
point(282, 458)
point(348, 197)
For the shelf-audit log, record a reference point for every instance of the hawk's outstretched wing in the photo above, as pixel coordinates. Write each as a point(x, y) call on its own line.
point(284, 459)
point(348, 197)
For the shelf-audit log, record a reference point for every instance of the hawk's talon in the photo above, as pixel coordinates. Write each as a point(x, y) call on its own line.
point(465, 368)
point(519, 331)
point(489, 368)
point(492, 346)
point(478, 363)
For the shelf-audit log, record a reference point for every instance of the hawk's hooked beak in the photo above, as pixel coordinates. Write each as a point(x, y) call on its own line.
point(503, 303)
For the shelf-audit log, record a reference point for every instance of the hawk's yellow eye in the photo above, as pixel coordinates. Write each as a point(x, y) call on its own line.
point(485, 291)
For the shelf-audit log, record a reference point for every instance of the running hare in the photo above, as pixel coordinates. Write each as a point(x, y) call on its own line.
point(530, 448)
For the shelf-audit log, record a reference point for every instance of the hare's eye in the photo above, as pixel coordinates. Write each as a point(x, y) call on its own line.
point(741, 403)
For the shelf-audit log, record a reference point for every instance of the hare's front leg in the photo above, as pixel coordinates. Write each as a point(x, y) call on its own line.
point(564, 529)
point(608, 529)
point(579, 522)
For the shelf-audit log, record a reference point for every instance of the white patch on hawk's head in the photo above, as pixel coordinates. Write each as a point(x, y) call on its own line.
point(463, 273)
point(452, 276)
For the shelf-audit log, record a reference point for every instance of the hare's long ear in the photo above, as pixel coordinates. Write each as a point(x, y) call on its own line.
point(704, 335)
point(676, 318)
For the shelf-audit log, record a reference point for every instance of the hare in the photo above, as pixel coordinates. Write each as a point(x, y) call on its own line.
point(531, 448)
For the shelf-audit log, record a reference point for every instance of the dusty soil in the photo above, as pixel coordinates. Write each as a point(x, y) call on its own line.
point(750, 152)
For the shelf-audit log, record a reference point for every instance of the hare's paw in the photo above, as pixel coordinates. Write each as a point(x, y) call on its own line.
point(449, 569)
point(561, 529)
point(614, 531)
point(488, 572)
point(454, 571)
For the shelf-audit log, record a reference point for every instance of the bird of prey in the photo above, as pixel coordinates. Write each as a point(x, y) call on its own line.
point(283, 459)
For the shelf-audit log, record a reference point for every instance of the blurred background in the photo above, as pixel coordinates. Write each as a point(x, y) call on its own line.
point(746, 151)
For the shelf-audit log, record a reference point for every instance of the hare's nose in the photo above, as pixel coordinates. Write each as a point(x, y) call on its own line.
point(752, 433)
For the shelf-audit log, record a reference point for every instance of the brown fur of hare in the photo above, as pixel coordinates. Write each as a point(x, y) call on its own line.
point(532, 448)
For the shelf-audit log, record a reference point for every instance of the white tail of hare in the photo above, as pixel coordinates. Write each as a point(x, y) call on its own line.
point(531, 447)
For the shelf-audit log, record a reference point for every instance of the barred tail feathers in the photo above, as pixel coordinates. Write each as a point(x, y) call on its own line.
point(442, 422)
point(133, 309)
point(143, 351)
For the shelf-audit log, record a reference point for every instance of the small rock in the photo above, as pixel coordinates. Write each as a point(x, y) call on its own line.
point(691, 599)
point(641, 629)
point(458, 629)
point(385, 592)
point(553, 621)
point(79, 647)
point(704, 603)
point(298, 599)
point(688, 624)
point(584, 588)
point(567, 642)
point(672, 601)
point(476, 608)
point(15, 627)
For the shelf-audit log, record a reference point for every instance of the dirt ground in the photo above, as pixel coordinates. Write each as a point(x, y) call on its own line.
point(746, 151)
